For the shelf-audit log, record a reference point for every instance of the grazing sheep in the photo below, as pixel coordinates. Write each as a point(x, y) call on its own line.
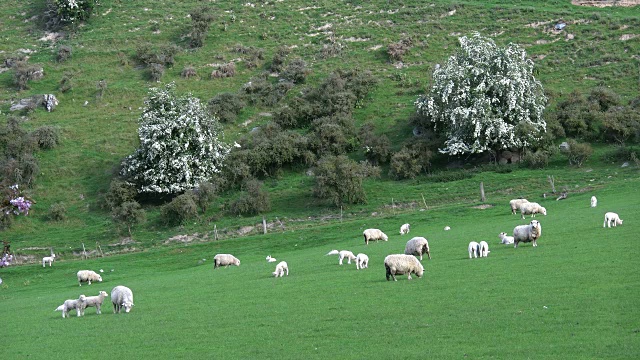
point(71, 304)
point(447, 228)
point(343, 254)
point(505, 239)
point(527, 233)
point(532, 209)
point(362, 261)
point(594, 201)
point(474, 249)
point(516, 204)
point(88, 276)
point(281, 268)
point(374, 234)
point(484, 249)
point(611, 218)
point(399, 264)
point(121, 296)
point(270, 259)
point(417, 246)
point(95, 301)
point(404, 229)
point(48, 259)
point(225, 260)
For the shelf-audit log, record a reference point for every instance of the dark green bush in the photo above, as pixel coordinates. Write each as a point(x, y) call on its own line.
point(450, 175)
point(156, 71)
point(24, 72)
point(148, 54)
point(64, 53)
point(188, 72)
point(339, 180)
point(377, 148)
point(129, 213)
point(47, 137)
point(119, 193)
point(57, 212)
point(296, 71)
point(535, 160)
point(333, 135)
point(253, 200)
point(405, 164)
point(204, 194)
point(621, 124)
point(180, 210)
point(279, 58)
point(201, 19)
point(577, 153)
point(226, 107)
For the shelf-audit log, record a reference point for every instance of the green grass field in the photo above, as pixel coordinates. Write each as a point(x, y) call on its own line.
point(571, 297)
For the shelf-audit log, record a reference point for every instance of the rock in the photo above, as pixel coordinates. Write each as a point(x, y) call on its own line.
point(626, 163)
point(564, 146)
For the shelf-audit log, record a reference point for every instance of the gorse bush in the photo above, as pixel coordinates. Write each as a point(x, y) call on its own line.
point(377, 148)
point(201, 19)
point(296, 71)
point(47, 137)
point(57, 212)
point(64, 53)
point(164, 54)
point(578, 153)
point(538, 159)
point(180, 210)
point(253, 200)
point(339, 180)
point(129, 213)
point(119, 192)
point(226, 107)
point(204, 194)
point(61, 13)
point(24, 72)
point(405, 164)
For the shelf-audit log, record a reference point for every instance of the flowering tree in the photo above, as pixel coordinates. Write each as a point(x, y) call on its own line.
point(63, 12)
point(13, 203)
point(179, 145)
point(485, 98)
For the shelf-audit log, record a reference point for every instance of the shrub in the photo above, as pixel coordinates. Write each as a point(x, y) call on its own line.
point(188, 72)
point(339, 180)
point(60, 13)
point(180, 210)
point(259, 91)
point(254, 200)
point(224, 71)
point(226, 107)
point(535, 160)
point(376, 147)
point(147, 54)
point(204, 194)
point(57, 212)
point(333, 135)
point(156, 71)
point(64, 53)
point(101, 87)
point(129, 213)
point(23, 73)
point(119, 193)
point(621, 124)
point(405, 164)
point(397, 51)
point(578, 153)
point(279, 58)
point(47, 137)
point(296, 71)
point(66, 83)
point(201, 19)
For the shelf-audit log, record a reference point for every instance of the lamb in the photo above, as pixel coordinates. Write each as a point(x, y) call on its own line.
point(374, 234)
point(399, 264)
point(48, 259)
point(505, 239)
point(484, 249)
point(121, 296)
point(362, 261)
point(71, 304)
point(527, 233)
point(88, 276)
point(532, 209)
point(225, 260)
point(281, 268)
point(417, 246)
point(343, 254)
point(270, 259)
point(447, 228)
point(516, 204)
point(95, 301)
point(594, 201)
point(404, 229)
point(474, 249)
point(611, 218)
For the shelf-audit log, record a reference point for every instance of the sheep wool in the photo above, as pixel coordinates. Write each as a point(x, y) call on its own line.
point(342, 255)
point(225, 260)
point(404, 229)
point(417, 246)
point(484, 249)
point(399, 264)
point(270, 259)
point(516, 204)
point(281, 268)
point(527, 233)
point(474, 249)
point(505, 239)
point(71, 304)
point(594, 201)
point(48, 259)
point(88, 276)
point(95, 301)
point(374, 234)
point(610, 219)
point(362, 261)
point(532, 209)
point(121, 297)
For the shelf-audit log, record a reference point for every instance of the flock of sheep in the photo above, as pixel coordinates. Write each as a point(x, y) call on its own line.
point(408, 263)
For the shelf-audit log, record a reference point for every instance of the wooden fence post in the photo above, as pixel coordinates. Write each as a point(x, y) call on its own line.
point(482, 198)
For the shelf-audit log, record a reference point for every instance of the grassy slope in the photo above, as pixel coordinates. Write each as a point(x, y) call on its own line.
point(573, 293)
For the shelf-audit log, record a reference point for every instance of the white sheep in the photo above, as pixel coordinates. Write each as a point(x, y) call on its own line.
point(527, 233)
point(399, 264)
point(505, 239)
point(225, 260)
point(48, 259)
point(611, 218)
point(474, 249)
point(374, 234)
point(88, 276)
point(417, 246)
point(362, 261)
point(71, 304)
point(516, 204)
point(121, 296)
point(270, 259)
point(447, 228)
point(404, 229)
point(281, 268)
point(342, 255)
point(484, 249)
point(594, 201)
point(532, 209)
point(95, 301)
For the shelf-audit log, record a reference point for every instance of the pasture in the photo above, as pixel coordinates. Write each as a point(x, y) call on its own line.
point(573, 295)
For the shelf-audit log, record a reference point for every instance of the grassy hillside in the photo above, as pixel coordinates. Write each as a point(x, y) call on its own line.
point(594, 49)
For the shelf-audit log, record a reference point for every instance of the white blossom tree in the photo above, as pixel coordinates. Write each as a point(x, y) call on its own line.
point(180, 144)
point(485, 98)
